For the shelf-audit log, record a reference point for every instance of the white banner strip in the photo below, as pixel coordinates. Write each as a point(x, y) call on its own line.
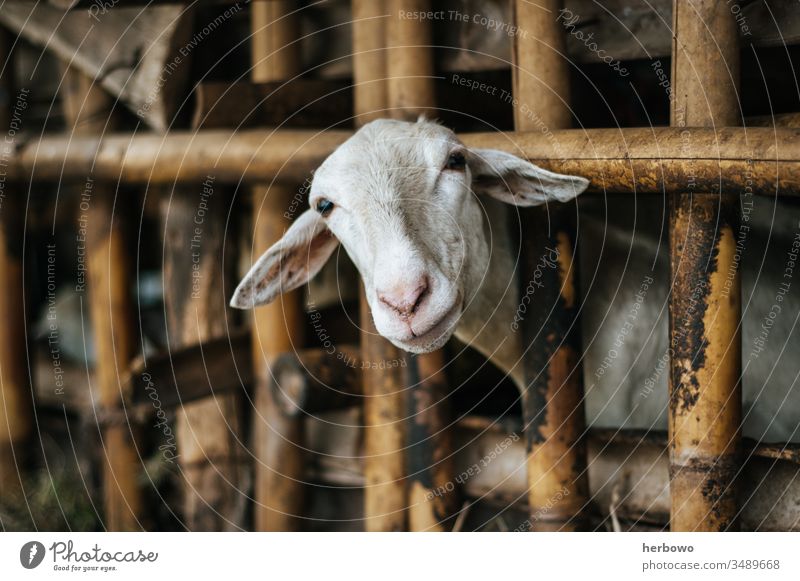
point(400, 556)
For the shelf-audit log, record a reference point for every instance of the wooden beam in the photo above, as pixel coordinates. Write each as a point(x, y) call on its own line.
point(641, 160)
point(705, 409)
point(176, 379)
point(198, 279)
point(552, 401)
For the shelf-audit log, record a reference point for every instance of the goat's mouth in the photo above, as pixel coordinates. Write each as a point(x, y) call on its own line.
point(435, 335)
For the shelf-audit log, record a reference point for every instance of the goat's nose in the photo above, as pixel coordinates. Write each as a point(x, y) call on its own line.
point(405, 298)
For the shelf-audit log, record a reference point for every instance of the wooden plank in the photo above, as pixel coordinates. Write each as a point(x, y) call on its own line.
point(198, 279)
point(298, 103)
point(191, 373)
point(134, 53)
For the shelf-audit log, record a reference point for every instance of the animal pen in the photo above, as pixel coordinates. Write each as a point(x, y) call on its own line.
point(161, 147)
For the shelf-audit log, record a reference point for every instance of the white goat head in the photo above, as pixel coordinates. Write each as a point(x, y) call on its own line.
point(404, 201)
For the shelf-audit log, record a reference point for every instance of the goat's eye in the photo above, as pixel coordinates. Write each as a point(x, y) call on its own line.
point(324, 206)
point(457, 161)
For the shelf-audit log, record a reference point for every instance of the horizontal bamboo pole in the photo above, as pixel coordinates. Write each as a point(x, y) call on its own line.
point(644, 160)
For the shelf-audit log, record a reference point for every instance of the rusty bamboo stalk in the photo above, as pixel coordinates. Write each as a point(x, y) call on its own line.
point(409, 58)
point(430, 445)
point(641, 160)
point(705, 303)
point(89, 111)
point(553, 399)
point(16, 405)
point(277, 328)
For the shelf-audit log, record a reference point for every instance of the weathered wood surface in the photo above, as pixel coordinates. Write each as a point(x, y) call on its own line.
point(705, 311)
point(198, 279)
point(186, 374)
point(134, 54)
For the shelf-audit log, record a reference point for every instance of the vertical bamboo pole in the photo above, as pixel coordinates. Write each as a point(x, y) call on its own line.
point(553, 400)
point(411, 90)
point(277, 328)
point(16, 417)
point(89, 110)
point(705, 389)
point(430, 446)
point(369, 59)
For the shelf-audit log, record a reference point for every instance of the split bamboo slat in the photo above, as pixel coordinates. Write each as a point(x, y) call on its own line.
point(278, 327)
point(705, 303)
point(16, 404)
point(385, 491)
point(89, 110)
point(552, 402)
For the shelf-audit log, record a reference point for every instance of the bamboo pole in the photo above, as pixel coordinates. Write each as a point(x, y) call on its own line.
point(198, 279)
point(409, 59)
point(277, 328)
point(16, 405)
point(553, 399)
point(89, 111)
point(369, 59)
point(641, 160)
point(430, 445)
point(705, 303)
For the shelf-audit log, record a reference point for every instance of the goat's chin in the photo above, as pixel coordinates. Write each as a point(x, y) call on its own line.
point(424, 344)
point(435, 337)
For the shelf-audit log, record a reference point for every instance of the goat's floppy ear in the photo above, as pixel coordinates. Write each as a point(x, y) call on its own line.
point(290, 263)
point(515, 181)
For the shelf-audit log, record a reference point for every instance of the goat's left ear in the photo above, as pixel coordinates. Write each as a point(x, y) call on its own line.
point(515, 181)
point(290, 263)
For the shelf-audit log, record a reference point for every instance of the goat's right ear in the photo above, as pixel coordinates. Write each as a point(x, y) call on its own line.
point(518, 182)
point(290, 263)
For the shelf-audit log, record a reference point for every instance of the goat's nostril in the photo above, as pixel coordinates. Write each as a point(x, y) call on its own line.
point(405, 301)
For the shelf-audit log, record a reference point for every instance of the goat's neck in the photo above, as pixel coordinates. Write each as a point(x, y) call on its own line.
point(486, 322)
